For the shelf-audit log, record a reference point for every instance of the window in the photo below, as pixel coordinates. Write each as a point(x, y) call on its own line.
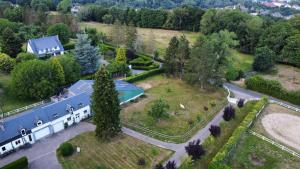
point(39, 123)
point(17, 142)
point(23, 132)
point(85, 111)
point(3, 148)
point(69, 118)
point(30, 138)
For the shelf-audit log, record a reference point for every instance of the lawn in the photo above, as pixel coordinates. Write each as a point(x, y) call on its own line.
point(254, 153)
point(162, 36)
point(241, 61)
point(7, 99)
point(123, 152)
point(213, 145)
point(288, 76)
point(175, 92)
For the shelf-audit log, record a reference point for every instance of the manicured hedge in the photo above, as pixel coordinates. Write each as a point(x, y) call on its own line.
point(272, 88)
point(153, 66)
point(143, 75)
point(218, 161)
point(141, 61)
point(21, 163)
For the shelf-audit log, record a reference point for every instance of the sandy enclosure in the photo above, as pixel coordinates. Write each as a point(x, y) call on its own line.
point(283, 127)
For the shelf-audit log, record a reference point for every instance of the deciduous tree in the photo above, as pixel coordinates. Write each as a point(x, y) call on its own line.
point(10, 43)
point(264, 59)
point(61, 30)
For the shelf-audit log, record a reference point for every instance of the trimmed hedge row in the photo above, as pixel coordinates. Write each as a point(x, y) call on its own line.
point(272, 88)
point(21, 163)
point(141, 61)
point(143, 75)
point(153, 66)
point(219, 160)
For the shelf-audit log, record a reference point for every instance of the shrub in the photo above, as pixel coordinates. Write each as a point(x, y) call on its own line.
point(144, 75)
point(195, 150)
point(218, 160)
point(66, 149)
point(232, 74)
point(171, 165)
point(21, 163)
point(6, 63)
point(215, 130)
point(101, 167)
point(205, 108)
point(159, 109)
point(159, 166)
point(141, 162)
point(23, 57)
point(229, 113)
point(69, 46)
point(240, 103)
point(272, 88)
point(141, 61)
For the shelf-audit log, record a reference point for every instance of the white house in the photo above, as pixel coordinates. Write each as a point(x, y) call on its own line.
point(33, 125)
point(50, 45)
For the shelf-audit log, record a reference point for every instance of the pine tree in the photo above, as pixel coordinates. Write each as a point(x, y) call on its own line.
point(86, 55)
point(10, 43)
point(170, 56)
point(121, 55)
point(59, 71)
point(130, 36)
point(105, 105)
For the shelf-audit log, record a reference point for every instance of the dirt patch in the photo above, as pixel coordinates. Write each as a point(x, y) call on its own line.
point(288, 76)
point(283, 127)
point(145, 86)
point(255, 160)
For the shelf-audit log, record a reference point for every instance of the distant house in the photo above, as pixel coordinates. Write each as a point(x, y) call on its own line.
point(50, 45)
point(28, 127)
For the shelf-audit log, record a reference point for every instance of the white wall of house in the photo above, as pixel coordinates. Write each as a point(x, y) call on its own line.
point(17, 143)
point(82, 113)
point(29, 49)
point(6, 148)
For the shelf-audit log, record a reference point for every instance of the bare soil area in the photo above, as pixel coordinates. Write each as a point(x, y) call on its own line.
point(288, 76)
point(283, 127)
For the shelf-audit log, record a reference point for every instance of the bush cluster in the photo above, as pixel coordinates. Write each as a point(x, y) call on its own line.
point(218, 161)
point(6, 63)
point(66, 149)
point(144, 75)
point(272, 88)
point(21, 163)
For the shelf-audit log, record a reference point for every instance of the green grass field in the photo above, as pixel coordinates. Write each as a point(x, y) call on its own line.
point(241, 61)
point(254, 153)
point(7, 99)
point(123, 152)
point(175, 92)
point(212, 145)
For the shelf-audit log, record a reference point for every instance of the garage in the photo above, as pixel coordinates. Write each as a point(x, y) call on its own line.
point(42, 133)
point(58, 126)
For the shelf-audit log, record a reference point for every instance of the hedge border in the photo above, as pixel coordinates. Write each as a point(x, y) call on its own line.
point(20, 163)
point(144, 75)
point(218, 160)
point(272, 88)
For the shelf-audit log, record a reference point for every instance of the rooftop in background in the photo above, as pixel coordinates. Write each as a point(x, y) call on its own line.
point(45, 45)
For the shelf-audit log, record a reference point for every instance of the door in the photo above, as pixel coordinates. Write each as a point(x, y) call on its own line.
point(42, 133)
point(58, 127)
point(77, 118)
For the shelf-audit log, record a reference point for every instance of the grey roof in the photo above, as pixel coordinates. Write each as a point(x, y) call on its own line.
point(27, 120)
point(46, 43)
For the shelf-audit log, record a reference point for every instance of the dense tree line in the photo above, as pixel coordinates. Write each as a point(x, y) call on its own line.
point(183, 18)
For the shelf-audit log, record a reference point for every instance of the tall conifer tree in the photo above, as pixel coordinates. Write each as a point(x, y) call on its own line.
point(105, 105)
point(86, 55)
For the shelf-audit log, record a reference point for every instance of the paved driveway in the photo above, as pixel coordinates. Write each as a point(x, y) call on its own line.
point(42, 154)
